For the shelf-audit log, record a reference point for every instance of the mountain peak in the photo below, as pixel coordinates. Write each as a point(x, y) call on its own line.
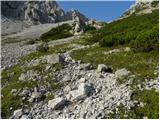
point(37, 12)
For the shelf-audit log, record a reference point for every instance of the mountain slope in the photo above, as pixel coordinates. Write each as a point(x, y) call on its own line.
point(141, 7)
point(26, 13)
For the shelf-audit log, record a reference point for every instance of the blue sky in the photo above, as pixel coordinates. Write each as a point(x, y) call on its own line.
point(99, 10)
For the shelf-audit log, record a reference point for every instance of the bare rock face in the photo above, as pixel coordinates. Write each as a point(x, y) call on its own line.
point(79, 21)
point(141, 7)
point(94, 24)
point(35, 12)
point(77, 26)
point(17, 15)
point(71, 15)
point(12, 9)
point(38, 12)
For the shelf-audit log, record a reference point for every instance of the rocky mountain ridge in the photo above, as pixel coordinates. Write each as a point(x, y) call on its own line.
point(37, 12)
point(141, 7)
point(27, 13)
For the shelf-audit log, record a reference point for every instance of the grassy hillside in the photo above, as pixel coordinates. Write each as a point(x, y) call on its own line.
point(139, 32)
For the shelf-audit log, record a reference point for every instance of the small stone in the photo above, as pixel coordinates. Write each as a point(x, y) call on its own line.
point(121, 72)
point(18, 113)
point(57, 103)
point(31, 100)
point(79, 68)
point(36, 95)
point(25, 92)
point(23, 98)
point(130, 81)
point(48, 67)
point(24, 117)
point(67, 89)
point(145, 117)
point(67, 78)
point(141, 104)
point(100, 76)
point(79, 61)
point(73, 61)
point(22, 77)
point(13, 91)
point(82, 80)
point(10, 108)
point(87, 66)
point(127, 49)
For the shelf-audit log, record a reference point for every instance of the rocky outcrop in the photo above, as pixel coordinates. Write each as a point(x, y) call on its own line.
point(25, 13)
point(77, 26)
point(95, 24)
point(57, 103)
point(141, 7)
point(71, 15)
point(103, 68)
point(33, 12)
point(81, 93)
point(79, 21)
point(36, 12)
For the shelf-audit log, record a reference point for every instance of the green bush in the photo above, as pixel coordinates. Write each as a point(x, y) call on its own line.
point(62, 31)
point(92, 37)
point(43, 47)
point(89, 28)
point(107, 41)
point(146, 40)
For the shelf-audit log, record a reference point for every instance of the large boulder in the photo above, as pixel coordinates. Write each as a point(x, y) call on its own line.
point(82, 92)
point(121, 73)
point(57, 103)
point(52, 59)
point(103, 68)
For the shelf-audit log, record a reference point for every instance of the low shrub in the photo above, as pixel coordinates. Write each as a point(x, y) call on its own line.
point(146, 40)
point(62, 31)
point(150, 110)
point(140, 32)
point(43, 47)
point(92, 37)
point(108, 41)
